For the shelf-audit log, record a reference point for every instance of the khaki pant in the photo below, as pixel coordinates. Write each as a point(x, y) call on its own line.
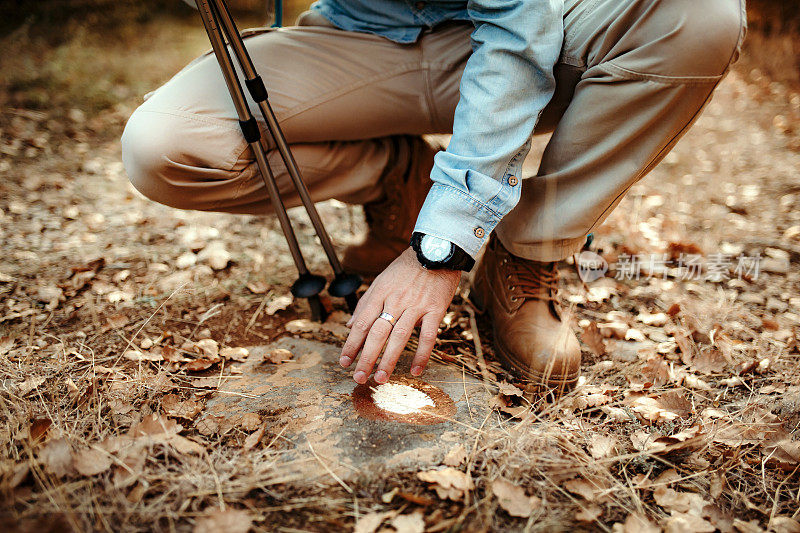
point(632, 78)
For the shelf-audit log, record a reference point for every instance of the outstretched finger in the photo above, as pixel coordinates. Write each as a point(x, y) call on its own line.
point(372, 349)
point(394, 347)
point(367, 311)
point(427, 339)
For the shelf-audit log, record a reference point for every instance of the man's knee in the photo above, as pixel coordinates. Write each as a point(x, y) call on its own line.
point(170, 158)
point(685, 38)
point(146, 145)
point(714, 31)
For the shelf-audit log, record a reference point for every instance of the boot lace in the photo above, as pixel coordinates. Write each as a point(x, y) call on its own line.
point(532, 280)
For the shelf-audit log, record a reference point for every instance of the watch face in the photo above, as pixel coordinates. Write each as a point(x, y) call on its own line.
point(436, 249)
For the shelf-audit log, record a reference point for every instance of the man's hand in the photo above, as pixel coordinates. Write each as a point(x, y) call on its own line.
point(412, 295)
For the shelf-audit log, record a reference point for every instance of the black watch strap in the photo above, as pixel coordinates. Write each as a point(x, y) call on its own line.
point(459, 260)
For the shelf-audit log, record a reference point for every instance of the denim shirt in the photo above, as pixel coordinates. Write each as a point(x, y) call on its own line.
point(507, 82)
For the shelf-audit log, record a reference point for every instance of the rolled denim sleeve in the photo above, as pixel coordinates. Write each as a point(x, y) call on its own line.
point(507, 82)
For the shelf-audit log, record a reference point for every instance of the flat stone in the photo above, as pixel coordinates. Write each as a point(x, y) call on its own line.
point(308, 402)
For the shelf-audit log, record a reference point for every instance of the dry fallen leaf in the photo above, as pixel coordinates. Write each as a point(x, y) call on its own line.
point(120, 296)
point(708, 360)
point(456, 456)
point(207, 347)
point(683, 522)
point(694, 382)
point(747, 527)
point(602, 446)
point(170, 354)
point(583, 488)
point(616, 414)
point(186, 260)
point(368, 523)
point(637, 523)
point(39, 428)
point(409, 523)
point(589, 514)
point(303, 325)
point(784, 524)
point(228, 520)
point(682, 502)
point(139, 355)
point(49, 294)
point(211, 382)
point(257, 287)
point(507, 389)
point(120, 407)
point(29, 384)
point(56, 456)
point(513, 498)
point(278, 355)
point(6, 343)
point(253, 439)
point(215, 255)
point(117, 321)
point(448, 482)
point(599, 293)
point(651, 410)
point(91, 461)
point(279, 303)
point(655, 319)
point(336, 329)
point(235, 354)
point(155, 425)
point(184, 445)
point(592, 338)
point(656, 370)
point(198, 365)
point(14, 474)
point(173, 406)
point(250, 421)
point(210, 424)
point(684, 439)
point(784, 454)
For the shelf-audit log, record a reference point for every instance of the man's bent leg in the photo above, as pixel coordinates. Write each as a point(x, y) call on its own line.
point(633, 76)
point(329, 89)
point(647, 68)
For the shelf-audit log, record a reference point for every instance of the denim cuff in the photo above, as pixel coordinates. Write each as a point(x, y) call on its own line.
point(455, 215)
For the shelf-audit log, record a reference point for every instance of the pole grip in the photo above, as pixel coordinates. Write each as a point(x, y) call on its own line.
point(250, 130)
point(257, 89)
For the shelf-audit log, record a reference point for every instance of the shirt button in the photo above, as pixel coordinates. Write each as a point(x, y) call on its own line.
point(479, 233)
point(419, 6)
point(512, 180)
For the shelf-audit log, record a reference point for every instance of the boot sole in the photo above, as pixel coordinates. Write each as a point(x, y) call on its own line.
point(551, 383)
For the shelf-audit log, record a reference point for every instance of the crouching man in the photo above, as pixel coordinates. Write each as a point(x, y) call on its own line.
point(358, 82)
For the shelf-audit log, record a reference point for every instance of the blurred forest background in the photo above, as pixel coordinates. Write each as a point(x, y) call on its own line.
point(51, 48)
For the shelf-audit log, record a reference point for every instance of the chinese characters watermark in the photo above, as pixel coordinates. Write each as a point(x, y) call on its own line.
point(714, 268)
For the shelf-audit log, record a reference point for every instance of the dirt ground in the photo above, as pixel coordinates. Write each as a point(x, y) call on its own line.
point(120, 319)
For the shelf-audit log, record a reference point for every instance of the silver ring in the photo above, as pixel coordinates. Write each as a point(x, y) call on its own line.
point(388, 318)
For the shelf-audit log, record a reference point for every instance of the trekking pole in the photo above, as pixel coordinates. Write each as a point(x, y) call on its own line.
point(307, 285)
point(344, 284)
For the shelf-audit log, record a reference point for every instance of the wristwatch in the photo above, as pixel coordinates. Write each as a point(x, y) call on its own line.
point(434, 253)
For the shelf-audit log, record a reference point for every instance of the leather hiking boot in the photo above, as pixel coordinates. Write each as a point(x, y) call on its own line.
point(530, 339)
point(391, 219)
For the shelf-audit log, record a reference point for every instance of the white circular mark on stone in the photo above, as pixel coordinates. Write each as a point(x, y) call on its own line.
point(400, 399)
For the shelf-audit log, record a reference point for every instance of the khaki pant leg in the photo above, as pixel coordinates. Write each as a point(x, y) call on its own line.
point(641, 71)
point(337, 95)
